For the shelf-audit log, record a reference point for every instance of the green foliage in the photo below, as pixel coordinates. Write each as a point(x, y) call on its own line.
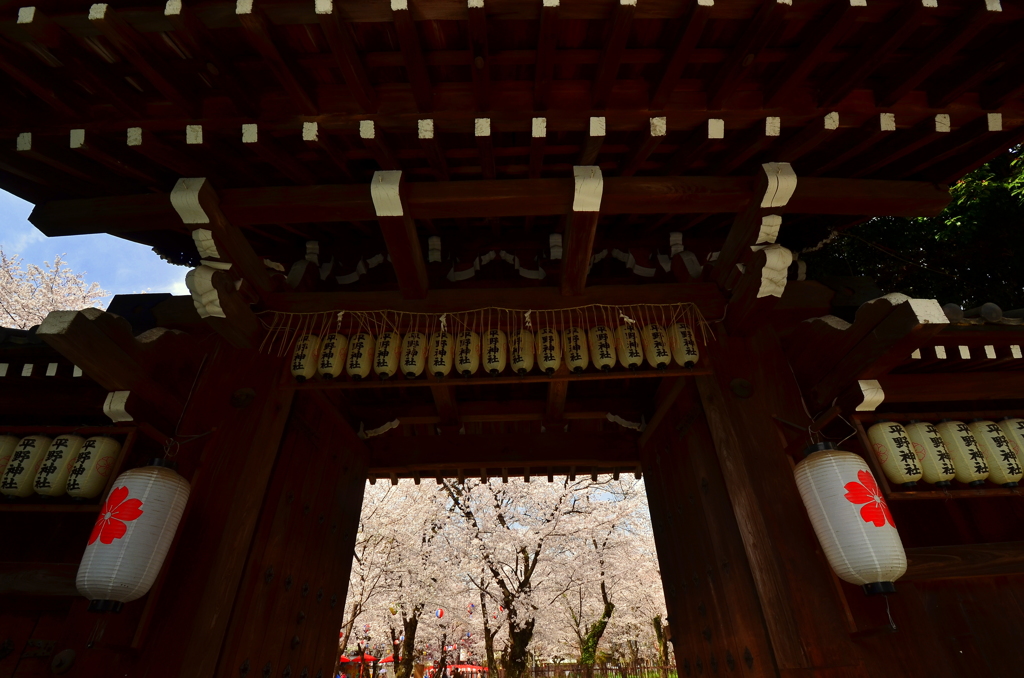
point(970, 254)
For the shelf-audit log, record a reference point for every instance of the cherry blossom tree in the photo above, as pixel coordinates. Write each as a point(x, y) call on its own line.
point(28, 293)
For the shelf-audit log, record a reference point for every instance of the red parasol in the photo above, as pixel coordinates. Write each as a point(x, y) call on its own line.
point(343, 659)
point(363, 658)
point(388, 660)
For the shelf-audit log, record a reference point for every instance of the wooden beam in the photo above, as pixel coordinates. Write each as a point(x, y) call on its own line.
point(94, 148)
point(376, 143)
point(346, 56)
point(952, 387)
point(544, 71)
point(684, 46)
point(405, 455)
point(595, 139)
point(652, 139)
point(581, 229)
point(412, 55)
point(668, 392)
point(257, 32)
point(756, 35)
point(538, 138)
point(554, 414)
point(758, 290)
point(745, 230)
point(134, 48)
point(621, 21)
point(432, 148)
point(485, 146)
point(493, 411)
point(32, 77)
point(61, 160)
point(315, 138)
point(480, 66)
point(816, 132)
point(38, 579)
point(961, 561)
point(497, 198)
point(399, 231)
point(267, 149)
point(446, 404)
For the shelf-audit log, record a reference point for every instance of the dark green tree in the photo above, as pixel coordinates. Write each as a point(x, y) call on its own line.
point(970, 254)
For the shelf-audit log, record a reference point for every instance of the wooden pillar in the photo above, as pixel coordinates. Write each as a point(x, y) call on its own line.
point(715, 616)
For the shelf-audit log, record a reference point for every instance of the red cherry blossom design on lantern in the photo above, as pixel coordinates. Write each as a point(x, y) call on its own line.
point(882, 452)
point(116, 512)
point(866, 492)
point(103, 466)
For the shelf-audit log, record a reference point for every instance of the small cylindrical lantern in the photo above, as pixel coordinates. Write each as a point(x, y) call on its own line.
point(576, 351)
point(467, 353)
point(387, 354)
point(549, 350)
point(682, 344)
point(1003, 465)
point(24, 465)
point(333, 352)
point(656, 346)
point(892, 446)
point(414, 354)
point(305, 357)
point(968, 461)
point(521, 351)
point(131, 536)
point(1013, 427)
point(630, 346)
point(602, 347)
point(360, 356)
point(850, 517)
point(92, 467)
point(52, 478)
point(495, 352)
point(936, 464)
point(442, 354)
point(7, 445)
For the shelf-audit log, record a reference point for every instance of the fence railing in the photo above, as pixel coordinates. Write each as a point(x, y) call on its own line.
point(630, 670)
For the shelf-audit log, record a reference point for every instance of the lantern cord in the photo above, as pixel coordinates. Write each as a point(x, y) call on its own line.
point(172, 442)
point(889, 612)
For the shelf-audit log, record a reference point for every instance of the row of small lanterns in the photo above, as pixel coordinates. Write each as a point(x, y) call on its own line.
point(466, 352)
point(970, 453)
point(52, 467)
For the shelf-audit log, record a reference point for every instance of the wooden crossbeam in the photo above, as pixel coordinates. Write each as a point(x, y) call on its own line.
point(257, 32)
point(544, 71)
point(446, 404)
point(581, 229)
point(480, 66)
point(685, 44)
point(93, 147)
point(961, 561)
point(952, 387)
point(538, 139)
point(432, 148)
point(497, 198)
point(595, 139)
point(315, 138)
point(62, 161)
point(346, 56)
point(485, 146)
point(399, 231)
point(621, 21)
point(1001, 55)
point(493, 411)
point(412, 55)
point(149, 145)
point(558, 391)
point(810, 137)
point(376, 143)
point(268, 150)
point(31, 77)
point(652, 139)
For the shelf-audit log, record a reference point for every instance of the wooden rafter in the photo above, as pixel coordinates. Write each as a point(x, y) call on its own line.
point(684, 45)
point(544, 71)
point(412, 55)
point(621, 22)
point(347, 59)
point(399, 230)
point(258, 32)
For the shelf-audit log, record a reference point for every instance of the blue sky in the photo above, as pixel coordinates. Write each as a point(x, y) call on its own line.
point(119, 266)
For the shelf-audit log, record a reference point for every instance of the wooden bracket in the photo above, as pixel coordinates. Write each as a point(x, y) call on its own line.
point(399, 231)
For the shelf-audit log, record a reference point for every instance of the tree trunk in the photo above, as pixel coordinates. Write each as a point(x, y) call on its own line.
point(515, 655)
point(403, 669)
point(489, 634)
point(588, 647)
point(659, 633)
point(442, 661)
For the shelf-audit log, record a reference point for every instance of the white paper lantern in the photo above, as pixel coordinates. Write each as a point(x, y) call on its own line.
point(131, 537)
point(414, 354)
point(333, 352)
point(549, 351)
point(851, 518)
point(656, 346)
point(467, 353)
point(25, 461)
point(602, 347)
point(360, 356)
point(968, 460)
point(521, 351)
point(682, 344)
point(575, 349)
point(1013, 427)
point(891, 445)
point(387, 354)
point(629, 345)
point(305, 357)
point(52, 478)
point(93, 466)
point(936, 464)
point(442, 354)
point(495, 352)
point(1003, 465)
point(7, 445)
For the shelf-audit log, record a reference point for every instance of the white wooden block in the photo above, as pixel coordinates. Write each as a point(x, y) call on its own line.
point(659, 126)
point(250, 133)
point(205, 244)
point(551, 3)
point(916, 355)
point(873, 395)
point(97, 11)
point(940, 352)
point(858, 3)
point(193, 134)
point(990, 352)
point(832, 120)
point(539, 128)
point(965, 352)
point(598, 126)
point(51, 370)
point(775, 271)
point(772, 126)
point(77, 138)
point(3, 369)
point(770, 225)
point(716, 128)
point(942, 122)
point(706, 3)
point(784, 2)
point(476, 4)
point(115, 404)
point(1015, 351)
point(384, 192)
point(77, 372)
point(134, 136)
point(324, 6)
point(24, 142)
point(425, 128)
point(930, 3)
point(172, 8)
point(781, 184)
point(243, 7)
point(887, 122)
point(398, 5)
point(589, 187)
point(628, 3)
point(995, 122)
point(310, 131)
point(482, 127)
point(26, 370)
point(185, 200)
point(26, 15)
point(366, 129)
point(993, 6)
